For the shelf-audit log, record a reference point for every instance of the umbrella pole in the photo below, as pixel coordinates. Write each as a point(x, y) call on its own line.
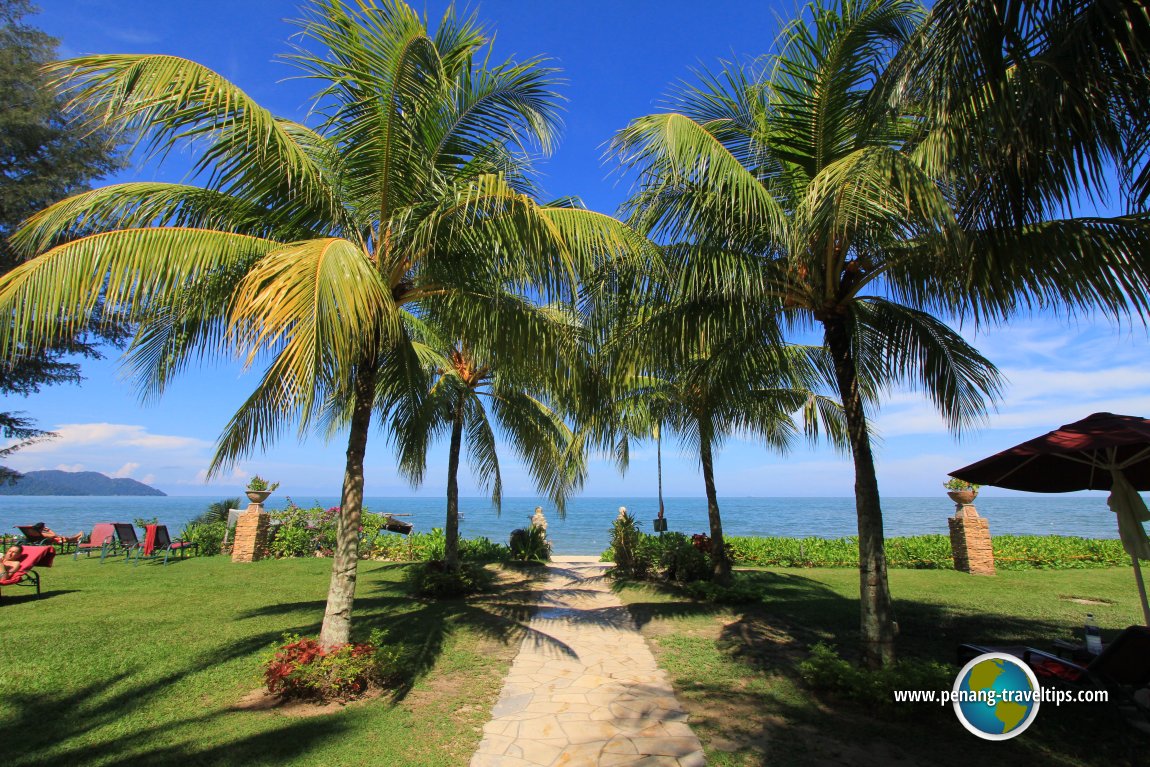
point(1141, 590)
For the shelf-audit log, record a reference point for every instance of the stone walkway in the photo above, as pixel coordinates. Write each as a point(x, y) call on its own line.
point(584, 689)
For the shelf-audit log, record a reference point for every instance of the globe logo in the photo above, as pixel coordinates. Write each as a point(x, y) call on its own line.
point(996, 696)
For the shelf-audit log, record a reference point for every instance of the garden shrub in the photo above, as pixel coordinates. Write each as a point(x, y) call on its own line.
point(671, 556)
point(426, 547)
point(301, 668)
point(293, 542)
point(825, 670)
point(681, 560)
point(300, 532)
point(483, 549)
point(207, 529)
point(530, 545)
point(433, 579)
point(632, 560)
point(208, 536)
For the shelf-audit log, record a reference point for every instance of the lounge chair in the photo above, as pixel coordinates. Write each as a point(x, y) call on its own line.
point(33, 536)
point(1122, 667)
point(33, 557)
point(126, 540)
point(158, 541)
point(103, 538)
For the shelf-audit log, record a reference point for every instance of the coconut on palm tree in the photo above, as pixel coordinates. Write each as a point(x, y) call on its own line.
point(821, 190)
point(308, 242)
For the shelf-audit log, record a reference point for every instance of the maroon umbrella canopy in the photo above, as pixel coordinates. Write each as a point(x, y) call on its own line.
point(1075, 457)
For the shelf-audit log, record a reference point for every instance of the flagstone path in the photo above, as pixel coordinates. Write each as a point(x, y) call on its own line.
point(584, 689)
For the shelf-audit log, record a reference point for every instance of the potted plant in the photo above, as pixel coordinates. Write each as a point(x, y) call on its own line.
point(961, 491)
point(258, 489)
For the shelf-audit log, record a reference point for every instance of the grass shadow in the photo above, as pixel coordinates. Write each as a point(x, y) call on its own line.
point(74, 715)
point(8, 599)
point(751, 700)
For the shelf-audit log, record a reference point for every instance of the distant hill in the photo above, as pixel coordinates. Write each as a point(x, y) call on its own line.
point(55, 482)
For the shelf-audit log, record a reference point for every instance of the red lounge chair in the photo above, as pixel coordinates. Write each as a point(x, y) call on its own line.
point(34, 556)
point(158, 541)
point(103, 538)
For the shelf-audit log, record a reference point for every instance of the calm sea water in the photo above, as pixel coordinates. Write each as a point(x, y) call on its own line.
point(585, 530)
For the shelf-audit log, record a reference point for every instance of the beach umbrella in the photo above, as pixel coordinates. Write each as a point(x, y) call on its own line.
point(1103, 451)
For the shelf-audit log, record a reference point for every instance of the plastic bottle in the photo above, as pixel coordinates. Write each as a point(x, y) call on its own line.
point(1093, 635)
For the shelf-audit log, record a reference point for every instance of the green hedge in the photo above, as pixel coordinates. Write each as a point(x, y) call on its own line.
point(930, 552)
point(927, 552)
point(427, 547)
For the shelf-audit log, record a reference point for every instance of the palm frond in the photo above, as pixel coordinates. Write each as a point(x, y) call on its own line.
point(911, 346)
point(127, 273)
point(168, 101)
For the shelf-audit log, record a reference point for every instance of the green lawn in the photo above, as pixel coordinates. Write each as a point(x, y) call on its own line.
point(734, 668)
point(147, 664)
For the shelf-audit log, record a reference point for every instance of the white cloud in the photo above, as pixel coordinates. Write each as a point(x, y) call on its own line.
point(238, 473)
point(111, 435)
point(117, 450)
point(125, 470)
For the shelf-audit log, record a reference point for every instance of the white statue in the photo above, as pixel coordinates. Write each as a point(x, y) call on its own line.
point(538, 520)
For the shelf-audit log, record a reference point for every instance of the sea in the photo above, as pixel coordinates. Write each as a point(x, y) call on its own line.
point(585, 528)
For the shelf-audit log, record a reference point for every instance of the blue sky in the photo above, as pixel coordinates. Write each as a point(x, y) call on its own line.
point(618, 58)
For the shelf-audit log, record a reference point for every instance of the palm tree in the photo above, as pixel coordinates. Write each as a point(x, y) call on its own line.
point(731, 387)
point(1050, 95)
point(308, 244)
point(662, 364)
point(478, 382)
point(817, 187)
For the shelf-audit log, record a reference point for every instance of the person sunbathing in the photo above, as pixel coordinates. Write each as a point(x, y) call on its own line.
point(50, 535)
point(11, 561)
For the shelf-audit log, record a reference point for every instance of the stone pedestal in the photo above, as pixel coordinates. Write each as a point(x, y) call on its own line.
point(251, 539)
point(970, 541)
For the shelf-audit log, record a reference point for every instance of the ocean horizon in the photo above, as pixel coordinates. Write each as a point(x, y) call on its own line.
point(586, 527)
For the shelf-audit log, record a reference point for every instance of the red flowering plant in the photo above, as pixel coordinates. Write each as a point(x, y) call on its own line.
point(301, 668)
point(704, 544)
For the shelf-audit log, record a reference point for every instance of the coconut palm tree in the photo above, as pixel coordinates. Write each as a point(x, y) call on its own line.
point(309, 243)
point(478, 383)
point(818, 187)
point(1050, 95)
point(731, 384)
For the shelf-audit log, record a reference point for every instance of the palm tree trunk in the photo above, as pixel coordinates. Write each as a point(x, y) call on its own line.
point(336, 628)
point(718, 545)
point(451, 529)
point(876, 614)
point(659, 463)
